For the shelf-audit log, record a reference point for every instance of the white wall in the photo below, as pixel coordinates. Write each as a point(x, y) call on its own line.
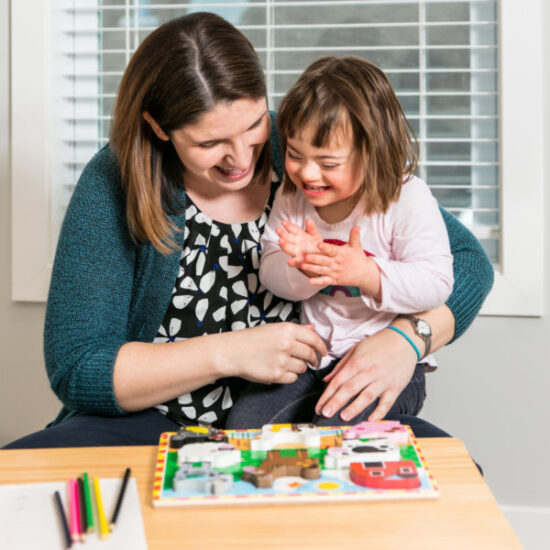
point(492, 389)
point(26, 402)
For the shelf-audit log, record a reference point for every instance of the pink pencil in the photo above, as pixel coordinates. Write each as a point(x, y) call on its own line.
point(74, 512)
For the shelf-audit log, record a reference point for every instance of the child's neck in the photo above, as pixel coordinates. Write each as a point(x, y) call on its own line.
point(337, 211)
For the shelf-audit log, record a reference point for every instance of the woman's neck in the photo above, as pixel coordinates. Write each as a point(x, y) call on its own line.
point(240, 206)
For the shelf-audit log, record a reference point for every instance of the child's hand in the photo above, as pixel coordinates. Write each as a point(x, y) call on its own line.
point(297, 242)
point(346, 265)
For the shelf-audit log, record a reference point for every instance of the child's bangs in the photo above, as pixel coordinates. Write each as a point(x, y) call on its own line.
point(323, 120)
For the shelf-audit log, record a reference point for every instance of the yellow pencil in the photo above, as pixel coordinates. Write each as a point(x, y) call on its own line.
point(102, 520)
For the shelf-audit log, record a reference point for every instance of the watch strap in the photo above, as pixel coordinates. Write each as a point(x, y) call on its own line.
point(426, 338)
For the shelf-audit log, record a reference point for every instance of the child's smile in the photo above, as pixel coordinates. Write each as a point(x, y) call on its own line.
point(314, 190)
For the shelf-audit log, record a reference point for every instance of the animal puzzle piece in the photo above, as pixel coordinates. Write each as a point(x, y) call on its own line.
point(220, 455)
point(276, 466)
point(201, 479)
point(385, 475)
point(389, 429)
point(196, 434)
point(286, 436)
point(355, 450)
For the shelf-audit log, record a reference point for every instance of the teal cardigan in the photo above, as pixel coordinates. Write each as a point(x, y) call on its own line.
point(105, 290)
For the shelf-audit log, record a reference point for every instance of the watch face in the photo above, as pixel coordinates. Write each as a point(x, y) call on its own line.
point(423, 328)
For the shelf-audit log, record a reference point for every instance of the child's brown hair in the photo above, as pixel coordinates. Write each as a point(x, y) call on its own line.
point(334, 93)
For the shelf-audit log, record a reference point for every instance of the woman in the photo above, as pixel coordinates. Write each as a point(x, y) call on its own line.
point(160, 243)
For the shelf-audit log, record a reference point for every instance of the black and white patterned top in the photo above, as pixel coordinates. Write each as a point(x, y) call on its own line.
point(217, 290)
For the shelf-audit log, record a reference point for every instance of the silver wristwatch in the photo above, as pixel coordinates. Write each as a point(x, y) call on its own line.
point(422, 329)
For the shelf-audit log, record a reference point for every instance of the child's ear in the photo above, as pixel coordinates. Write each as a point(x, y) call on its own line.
point(159, 132)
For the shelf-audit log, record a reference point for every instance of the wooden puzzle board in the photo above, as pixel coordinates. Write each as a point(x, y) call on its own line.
point(292, 463)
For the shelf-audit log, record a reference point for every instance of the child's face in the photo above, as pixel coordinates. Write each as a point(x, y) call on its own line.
point(329, 177)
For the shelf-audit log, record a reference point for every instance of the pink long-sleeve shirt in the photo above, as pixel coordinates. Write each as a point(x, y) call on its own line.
point(409, 242)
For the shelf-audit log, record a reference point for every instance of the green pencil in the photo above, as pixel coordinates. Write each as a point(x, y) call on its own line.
point(88, 499)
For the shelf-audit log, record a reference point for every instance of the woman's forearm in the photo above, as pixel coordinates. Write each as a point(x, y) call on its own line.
point(442, 323)
point(148, 374)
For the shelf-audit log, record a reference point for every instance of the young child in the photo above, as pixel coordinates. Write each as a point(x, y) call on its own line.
point(353, 233)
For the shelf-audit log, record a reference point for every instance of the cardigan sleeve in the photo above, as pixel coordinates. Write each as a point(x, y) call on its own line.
point(87, 314)
point(473, 274)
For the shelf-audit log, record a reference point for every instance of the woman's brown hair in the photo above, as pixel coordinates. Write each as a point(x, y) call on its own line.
point(180, 71)
point(337, 94)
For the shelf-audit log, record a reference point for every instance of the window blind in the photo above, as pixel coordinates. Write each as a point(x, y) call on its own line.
point(442, 57)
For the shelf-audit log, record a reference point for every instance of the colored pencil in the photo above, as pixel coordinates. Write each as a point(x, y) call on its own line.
point(82, 508)
point(88, 499)
point(78, 512)
point(120, 497)
point(101, 519)
point(73, 510)
point(63, 517)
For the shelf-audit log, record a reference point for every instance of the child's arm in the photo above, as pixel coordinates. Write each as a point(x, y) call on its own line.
point(419, 274)
point(276, 274)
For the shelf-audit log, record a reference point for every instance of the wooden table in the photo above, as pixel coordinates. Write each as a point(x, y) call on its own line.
point(465, 516)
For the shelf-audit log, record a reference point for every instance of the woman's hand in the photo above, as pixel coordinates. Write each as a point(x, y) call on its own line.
point(377, 367)
point(270, 354)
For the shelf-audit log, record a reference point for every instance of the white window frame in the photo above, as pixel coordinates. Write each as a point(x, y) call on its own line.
point(518, 287)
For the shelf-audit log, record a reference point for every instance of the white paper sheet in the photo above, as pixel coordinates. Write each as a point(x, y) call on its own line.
point(29, 519)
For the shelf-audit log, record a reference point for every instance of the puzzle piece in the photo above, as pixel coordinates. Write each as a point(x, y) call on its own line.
point(276, 466)
point(385, 475)
point(201, 479)
point(196, 434)
point(220, 455)
point(286, 436)
point(355, 450)
point(389, 429)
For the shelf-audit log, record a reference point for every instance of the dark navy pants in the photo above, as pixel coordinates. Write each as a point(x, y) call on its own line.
point(82, 430)
point(253, 409)
point(259, 404)
point(143, 428)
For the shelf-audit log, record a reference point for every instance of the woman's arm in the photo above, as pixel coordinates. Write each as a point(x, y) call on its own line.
point(105, 305)
point(148, 374)
point(89, 302)
point(473, 274)
point(382, 365)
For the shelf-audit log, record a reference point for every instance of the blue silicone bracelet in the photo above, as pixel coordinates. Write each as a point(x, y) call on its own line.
point(406, 338)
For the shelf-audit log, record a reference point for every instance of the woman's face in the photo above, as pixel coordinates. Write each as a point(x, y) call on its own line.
point(221, 149)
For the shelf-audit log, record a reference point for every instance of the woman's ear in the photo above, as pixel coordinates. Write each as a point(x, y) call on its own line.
point(159, 132)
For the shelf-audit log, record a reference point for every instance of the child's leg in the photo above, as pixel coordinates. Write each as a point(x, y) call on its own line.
point(260, 404)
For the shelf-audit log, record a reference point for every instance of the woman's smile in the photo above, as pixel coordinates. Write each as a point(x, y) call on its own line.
point(235, 174)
